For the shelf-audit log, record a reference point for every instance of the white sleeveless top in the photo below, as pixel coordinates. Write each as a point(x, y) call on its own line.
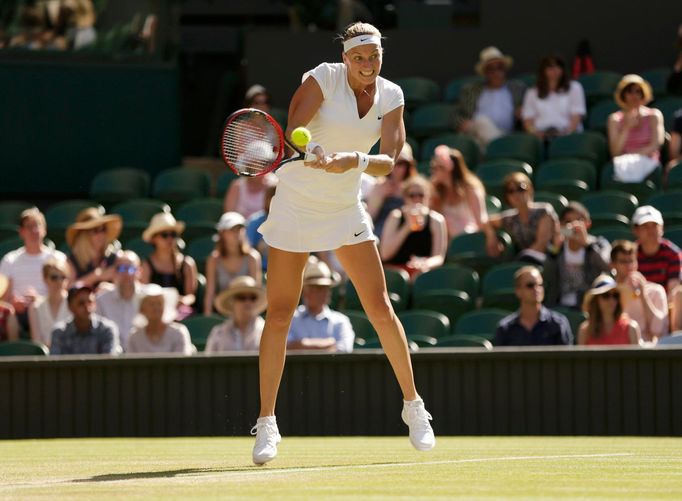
point(46, 322)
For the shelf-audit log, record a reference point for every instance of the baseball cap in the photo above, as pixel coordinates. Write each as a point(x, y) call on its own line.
point(647, 214)
point(229, 220)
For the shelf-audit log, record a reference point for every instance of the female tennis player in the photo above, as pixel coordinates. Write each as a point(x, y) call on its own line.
point(347, 107)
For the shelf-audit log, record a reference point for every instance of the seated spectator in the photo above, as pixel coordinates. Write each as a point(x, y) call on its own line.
point(24, 266)
point(78, 17)
point(415, 237)
point(242, 303)
point(635, 133)
point(257, 97)
point(490, 109)
point(606, 323)
point(253, 223)
point(157, 333)
point(581, 258)
point(458, 194)
point(675, 145)
point(167, 266)
point(93, 254)
point(246, 195)
point(9, 325)
point(644, 302)
point(233, 257)
point(387, 193)
point(658, 259)
point(87, 333)
point(556, 105)
point(531, 225)
point(120, 302)
point(315, 326)
point(532, 324)
point(49, 310)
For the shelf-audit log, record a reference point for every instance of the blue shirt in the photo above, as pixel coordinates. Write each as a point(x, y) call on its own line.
point(328, 323)
point(255, 238)
point(498, 106)
point(102, 337)
point(552, 328)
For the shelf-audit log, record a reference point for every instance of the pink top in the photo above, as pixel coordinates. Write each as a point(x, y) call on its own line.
point(639, 136)
point(618, 334)
point(467, 216)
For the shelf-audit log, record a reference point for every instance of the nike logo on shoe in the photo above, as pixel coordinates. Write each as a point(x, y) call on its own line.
point(359, 233)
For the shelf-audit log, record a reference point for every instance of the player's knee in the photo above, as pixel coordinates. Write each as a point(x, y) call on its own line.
point(380, 311)
point(280, 314)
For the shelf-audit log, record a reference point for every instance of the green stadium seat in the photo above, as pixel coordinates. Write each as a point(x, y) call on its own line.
point(556, 200)
point(181, 184)
point(281, 116)
point(374, 344)
point(361, 325)
point(493, 204)
point(599, 85)
point(200, 293)
point(572, 189)
point(431, 119)
point(598, 115)
point(448, 277)
point(674, 234)
point(610, 202)
point(62, 214)
point(461, 142)
point(670, 205)
point(418, 91)
point(675, 177)
point(454, 87)
point(8, 230)
point(529, 79)
point(22, 348)
point(575, 318)
point(612, 233)
point(136, 214)
point(200, 326)
point(605, 220)
point(498, 286)
point(201, 209)
point(117, 185)
point(481, 323)
point(10, 211)
point(668, 106)
point(642, 190)
point(397, 283)
point(492, 174)
point(551, 171)
point(424, 323)
point(588, 145)
point(422, 341)
point(469, 249)
point(464, 341)
point(139, 247)
point(658, 79)
point(450, 303)
point(199, 249)
point(518, 146)
point(10, 244)
point(224, 181)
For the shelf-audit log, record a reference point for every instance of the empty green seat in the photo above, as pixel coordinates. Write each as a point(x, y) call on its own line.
point(560, 169)
point(224, 181)
point(572, 189)
point(674, 234)
point(575, 318)
point(454, 87)
point(10, 211)
point(200, 248)
point(136, 214)
point(469, 249)
point(432, 119)
point(424, 323)
point(361, 325)
point(599, 85)
point(670, 205)
point(200, 326)
point(464, 341)
point(10, 244)
point(418, 91)
point(658, 79)
point(612, 233)
point(22, 348)
point(448, 276)
point(498, 286)
point(556, 200)
point(492, 174)
point(481, 323)
point(642, 190)
point(397, 283)
point(181, 184)
point(201, 209)
point(610, 202)
point(139, 247)
point(450, 303)
point(605, 220)
point(117, 185)
point(280, 115)
point(598, 115)
point(590, 146)
point(63, 214)
point(675, 176)
point(668, 106)
point(519, 146)
point(462, 142)
point(493, 204)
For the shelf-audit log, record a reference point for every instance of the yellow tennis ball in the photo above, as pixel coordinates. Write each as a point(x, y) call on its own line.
point(301, 136)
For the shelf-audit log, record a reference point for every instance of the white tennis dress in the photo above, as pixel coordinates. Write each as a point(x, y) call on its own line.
point(314, 210)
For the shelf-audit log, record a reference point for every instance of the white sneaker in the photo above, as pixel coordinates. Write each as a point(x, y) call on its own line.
point(417, 418)
point(267, 438)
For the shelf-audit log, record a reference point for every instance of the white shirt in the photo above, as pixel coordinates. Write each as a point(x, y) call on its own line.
point(227, 337)
point(121, 311)
point(498, 106)
point(555, 110)
point(175, 339)
point(26, 270)
point(46, 321)
point(575, 261)
point(337, 128)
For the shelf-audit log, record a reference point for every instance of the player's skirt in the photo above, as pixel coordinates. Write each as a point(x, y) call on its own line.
point(295, 224)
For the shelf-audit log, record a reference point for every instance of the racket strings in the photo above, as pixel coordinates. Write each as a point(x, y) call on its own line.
point(251, 144)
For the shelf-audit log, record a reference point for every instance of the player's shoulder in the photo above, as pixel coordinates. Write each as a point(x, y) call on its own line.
point(326, 69)
point(389, 86)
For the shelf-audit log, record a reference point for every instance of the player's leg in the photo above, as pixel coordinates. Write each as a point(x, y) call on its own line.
point(285, 276)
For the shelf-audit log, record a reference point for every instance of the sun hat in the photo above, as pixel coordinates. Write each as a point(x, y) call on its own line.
point(170, 305)
point(160, 222)
point(225, 300)
point(647, 214)
point(633, 79)
point(603, 283)
point(229, 220)
point(318, 273)
point(489, 55)
point(91, 218)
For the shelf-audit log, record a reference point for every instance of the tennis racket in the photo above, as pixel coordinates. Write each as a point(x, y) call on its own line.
point(253, 144)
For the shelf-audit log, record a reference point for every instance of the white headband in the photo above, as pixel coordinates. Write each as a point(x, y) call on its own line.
point(351, 43)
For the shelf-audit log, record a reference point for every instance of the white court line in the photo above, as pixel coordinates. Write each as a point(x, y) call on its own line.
point(265, 471)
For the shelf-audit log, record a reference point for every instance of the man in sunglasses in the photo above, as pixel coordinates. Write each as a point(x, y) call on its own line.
point(120, 302)
point(532, 324)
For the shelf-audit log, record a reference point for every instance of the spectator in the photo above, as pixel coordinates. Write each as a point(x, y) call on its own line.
point(556, 105)
point(257, 97)
point(315, 326)
point(253, 223)
point(242, 302)
point(580, 259)
point(658, 259)
point(644, 302)
point(675, 145)
point(387, 193)
point(606, 323)
point(459, 194)
point(246, 195)
point(49, 310)
point(167, 266)
point(121, 302)
point(415, 237)
point(9, 325)
point(232, 257)
point(636, 132)
point(532, 324)
point(157, 333)
point(87, 333)
point(24, 266)
point(93, 254)
point(531, 225)
point(489, 109)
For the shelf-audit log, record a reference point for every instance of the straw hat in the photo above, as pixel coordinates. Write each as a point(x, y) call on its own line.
point(4, 284)
point(161, 222)
point(637, 80)
point(91, 218)
point(603, 283)
point(318, 273)
point(224, 301)
point(489, 55)
point(170, 305)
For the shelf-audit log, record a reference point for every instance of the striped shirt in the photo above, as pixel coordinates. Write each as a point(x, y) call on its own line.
point(639, 136)
point(662, 266)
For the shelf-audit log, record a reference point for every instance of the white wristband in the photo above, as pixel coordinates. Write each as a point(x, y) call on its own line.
point(363, 161)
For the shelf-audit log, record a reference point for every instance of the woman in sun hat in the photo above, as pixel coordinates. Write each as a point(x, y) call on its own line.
point(232, 257)
point(91, 240)
point(606, 323)
point(166, 265)
point(242, 302)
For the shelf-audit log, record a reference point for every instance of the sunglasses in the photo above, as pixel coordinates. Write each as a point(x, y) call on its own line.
point(519, 189)
point(495, 67)
point(130, 269)
point(245, 297)
point(610, 295)
point(57, 278)
point(98, 230)
point(533, 285)
point(168, 234)
point(415, 194)
point(634, 90)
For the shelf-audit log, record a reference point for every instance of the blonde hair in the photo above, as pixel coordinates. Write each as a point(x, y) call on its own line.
point(54, 264)
point(419, 181)
point(358, 28)
point(595, 319)
point(83, 251)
